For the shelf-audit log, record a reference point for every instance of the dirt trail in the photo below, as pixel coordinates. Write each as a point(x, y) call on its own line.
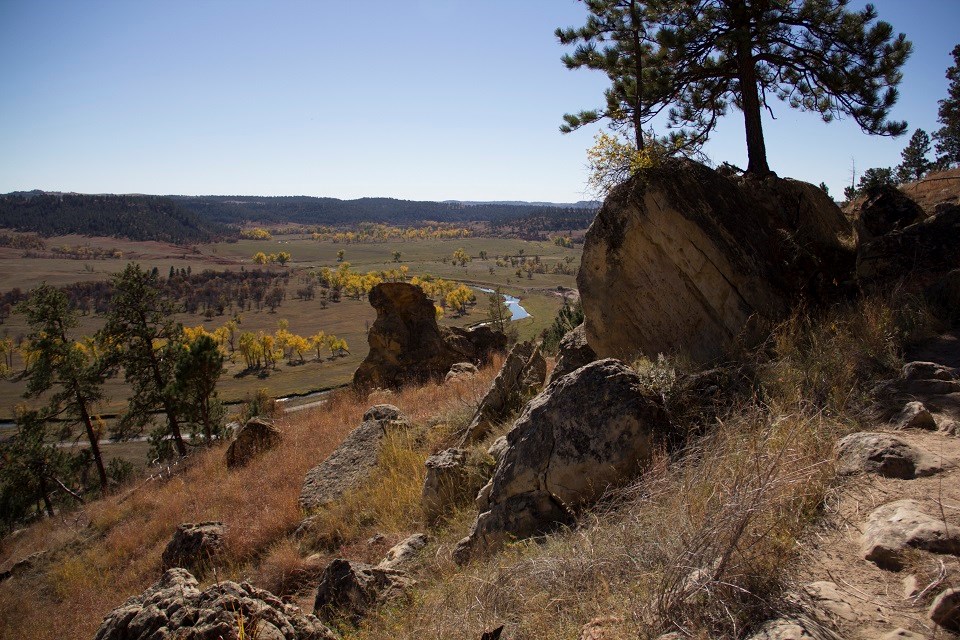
point(866, 601)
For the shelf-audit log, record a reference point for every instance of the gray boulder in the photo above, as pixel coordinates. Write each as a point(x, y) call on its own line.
point(348, 590)
point(404, 551)
point(927, 371)
point(884, 454)
point(588, 430)
point(194, 546)
point(901, 525)
point(461, 371)
point(255, 437)
point(945, 609)
point(914, 415)
point(446, 482)
point(351, 462)
point(574, 353)
point(175, 608)
point(521, 376)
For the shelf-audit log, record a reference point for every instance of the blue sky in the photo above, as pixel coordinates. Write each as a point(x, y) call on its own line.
point(424, 99)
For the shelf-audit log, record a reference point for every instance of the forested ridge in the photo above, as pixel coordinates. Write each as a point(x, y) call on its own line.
point(137, 217)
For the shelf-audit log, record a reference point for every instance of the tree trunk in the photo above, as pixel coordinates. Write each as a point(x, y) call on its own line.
point(94, 441)
point(638, 69)
point(750, 102)
point(45, 493)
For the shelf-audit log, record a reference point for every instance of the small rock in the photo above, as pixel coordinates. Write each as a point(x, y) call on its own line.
point(445, 483)
point(383, 412)
point(574, 353)
point(376, 538)
point(497, 448)
point(914, 416)
point(350, 589)
point(902, 634)
point(945, 610)
point(782, 629)
point(927, 371)
point(829, 600)
point(255, 437)
point(461, 371)
point(910, 587)
point(404, 551)
point(884, 454)
point(899, 525)
point(604, 628)
point(194, 546)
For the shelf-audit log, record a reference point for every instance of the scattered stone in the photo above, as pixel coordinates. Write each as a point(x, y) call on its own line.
point(351, 462)
point(521, 376)
point(910, 587)
point(446, 482)
point(350, 589)
point(884, 454)
point(404, 551)
point(588, 430)
point(914, 415)
point(461, 371)
point(681, 259)
point(493, 634)
point(927, 371)
point(574, 353)
point(407, 346)
point(194, 546)
point(174, 607)
point(829, 601)
point(945, 609)
point(903, 634)
point(604, 628)
point(899, 525)
point(497, 448)
point(255, 437)
point(376, 538)
point(783, 629)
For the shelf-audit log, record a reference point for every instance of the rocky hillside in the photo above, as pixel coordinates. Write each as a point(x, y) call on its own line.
point(770, 453)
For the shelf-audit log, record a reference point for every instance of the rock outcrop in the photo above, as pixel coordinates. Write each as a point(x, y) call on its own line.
point(175, 607)
point(521, 376)
point(255, 437)
point(574, 353)
point(351, 462)
point(682, 259)
point(461, 371)
point(350, 589)
point(885, 210)
point(404, 551)
point(884, 454)
point(929, 246)
point(588, 430)
point(901, 525)
point(194, 546)
point(445, 483)
point(408, 346)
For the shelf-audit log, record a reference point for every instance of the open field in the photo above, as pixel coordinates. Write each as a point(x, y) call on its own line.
point(348, 319)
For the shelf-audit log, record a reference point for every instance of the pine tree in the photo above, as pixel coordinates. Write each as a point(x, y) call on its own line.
point(64, 365)
point(914, 163)
point(615, 41)
point(948, 136)
point(144, 339)
point(813, 54)
point(198, 370)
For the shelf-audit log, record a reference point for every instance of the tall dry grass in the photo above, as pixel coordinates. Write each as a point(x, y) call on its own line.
point(110, 549)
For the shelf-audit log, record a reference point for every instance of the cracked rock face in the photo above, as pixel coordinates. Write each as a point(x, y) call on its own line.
point(574, 353)
point(588, 430)
point(175, 607)
point(351, 589)
point(884, 454)
point(683, 260)
point(194, 546)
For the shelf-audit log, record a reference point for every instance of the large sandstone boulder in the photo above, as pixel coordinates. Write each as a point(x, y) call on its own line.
point(255, 437)
point(683, 260)
point(175, 608)
point(194, 546)
point(588, 430)
point(901, 525)
point(351, 462)
point(350, 589)
point(886, 209)
point(884, 454)
point(408, 346)
point(521, 376)
point(574, 353)
point(930, 246)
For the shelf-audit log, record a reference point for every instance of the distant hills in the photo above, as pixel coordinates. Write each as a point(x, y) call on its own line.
point(191, 219)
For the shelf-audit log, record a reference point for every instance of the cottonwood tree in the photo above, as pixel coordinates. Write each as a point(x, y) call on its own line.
point(60, 363)
point(948, 136)
point(914, 163)
point(143, 338)
point(815, 55)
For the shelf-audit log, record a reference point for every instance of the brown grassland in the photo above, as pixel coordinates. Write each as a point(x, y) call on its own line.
point(704, 541)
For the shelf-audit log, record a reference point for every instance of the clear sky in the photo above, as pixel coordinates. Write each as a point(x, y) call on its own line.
point(423, 99)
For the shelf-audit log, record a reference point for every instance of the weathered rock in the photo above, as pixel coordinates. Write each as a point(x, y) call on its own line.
point(408, 346)
point(404, 551)
point(588, 430)
point(175, 607)
point(574, 353)
point(521, 376)
point(914, 415)
point(929, 246)
point(350, 589)
point(783, 629)
point(351, 462)
point(683, 260)
point(902, 634)
point(885, 210)
point(461, 371)
point(255, 437)
point(927, 371)
point(829, 604)
point(944, 296)
point(194, 546)
point(945, 609)
point(25, 565)
point(604, 628)
point(884, 454)
point(899, 525)
point(497, 448)
point(445, 483)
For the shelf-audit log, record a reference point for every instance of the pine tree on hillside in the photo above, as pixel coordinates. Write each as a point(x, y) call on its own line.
point(813, 54)
point(948, 136)
point(914, 163)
